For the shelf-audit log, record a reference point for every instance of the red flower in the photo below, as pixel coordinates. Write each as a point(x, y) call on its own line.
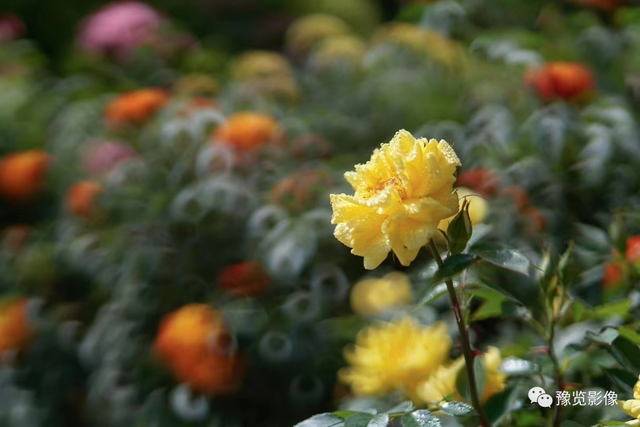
point(633, 249)
point(613, 273)
point(564, 80)
point(247, 278)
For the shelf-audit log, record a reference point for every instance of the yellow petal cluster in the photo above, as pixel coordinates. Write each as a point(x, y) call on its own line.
point(405, 356)
point(443, 382)
point(394, 356)
point(632, 406)
point(373, 296)
point(401, 195)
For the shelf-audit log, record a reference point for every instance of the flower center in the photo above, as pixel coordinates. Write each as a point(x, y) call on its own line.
point(394, 182)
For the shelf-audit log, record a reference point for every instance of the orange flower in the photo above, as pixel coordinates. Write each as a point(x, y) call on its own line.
point(633, 249)
point(22, 174)
point(247, 130)
point(194, 344)
point(15, 331)
point(135, 107)
point(81, 198)
point(564, 80)
point(246, 278)
point(481, 181)
point(613, 273)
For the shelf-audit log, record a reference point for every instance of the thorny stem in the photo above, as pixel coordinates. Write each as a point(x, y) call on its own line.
point(464, 340)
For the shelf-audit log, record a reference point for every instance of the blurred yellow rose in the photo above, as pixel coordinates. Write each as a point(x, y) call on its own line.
point(305, 33)
point(373, 296)
point(478, 210)
point(443, 382)
point(394, 356)
point(401, 195)
point(421, 41)
point(632, 406)
point(347, 49)
point(259, 64)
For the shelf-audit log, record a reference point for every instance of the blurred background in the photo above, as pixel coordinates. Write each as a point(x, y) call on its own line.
point(166, 247)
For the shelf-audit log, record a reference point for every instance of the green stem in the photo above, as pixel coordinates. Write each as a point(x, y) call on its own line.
point(464, 340)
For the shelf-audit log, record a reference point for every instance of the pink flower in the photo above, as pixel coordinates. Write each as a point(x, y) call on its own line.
point(118, 28)
point(102, 157)
point(11, 27)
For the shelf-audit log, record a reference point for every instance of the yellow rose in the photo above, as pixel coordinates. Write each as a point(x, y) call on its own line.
point(401, 195)
point(371, 297)
point(632, 406)
point(394, 356)
point(443, 382)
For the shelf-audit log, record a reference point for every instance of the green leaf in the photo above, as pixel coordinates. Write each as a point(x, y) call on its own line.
point(498, 406)
point(363, 419)
point(632, 336)
point(358, 420)
point(457, 409)
point(624, 379)
point(460, 230)
point(502, 291)
point(462, 384)
point(614, 309)
point(605, 336)
point(452, 265)
point(570, 424)
point(421, 418)
point(346, 414)
point(492, 307)
point(508, 259)
point(612, 423)
point(406, 406)
point(435, 293)
point(627, 353)
point(322, 420)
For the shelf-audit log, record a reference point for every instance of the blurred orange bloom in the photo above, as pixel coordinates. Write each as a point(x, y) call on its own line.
point(22, 174)
point(81, 198)
point(564, 80)
point(15, 331)
point(248, 130)
point(194, 344)
point(296, 189)
point(135, 107)
point(613, 273)
point(633, 249)
point(246, 278)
